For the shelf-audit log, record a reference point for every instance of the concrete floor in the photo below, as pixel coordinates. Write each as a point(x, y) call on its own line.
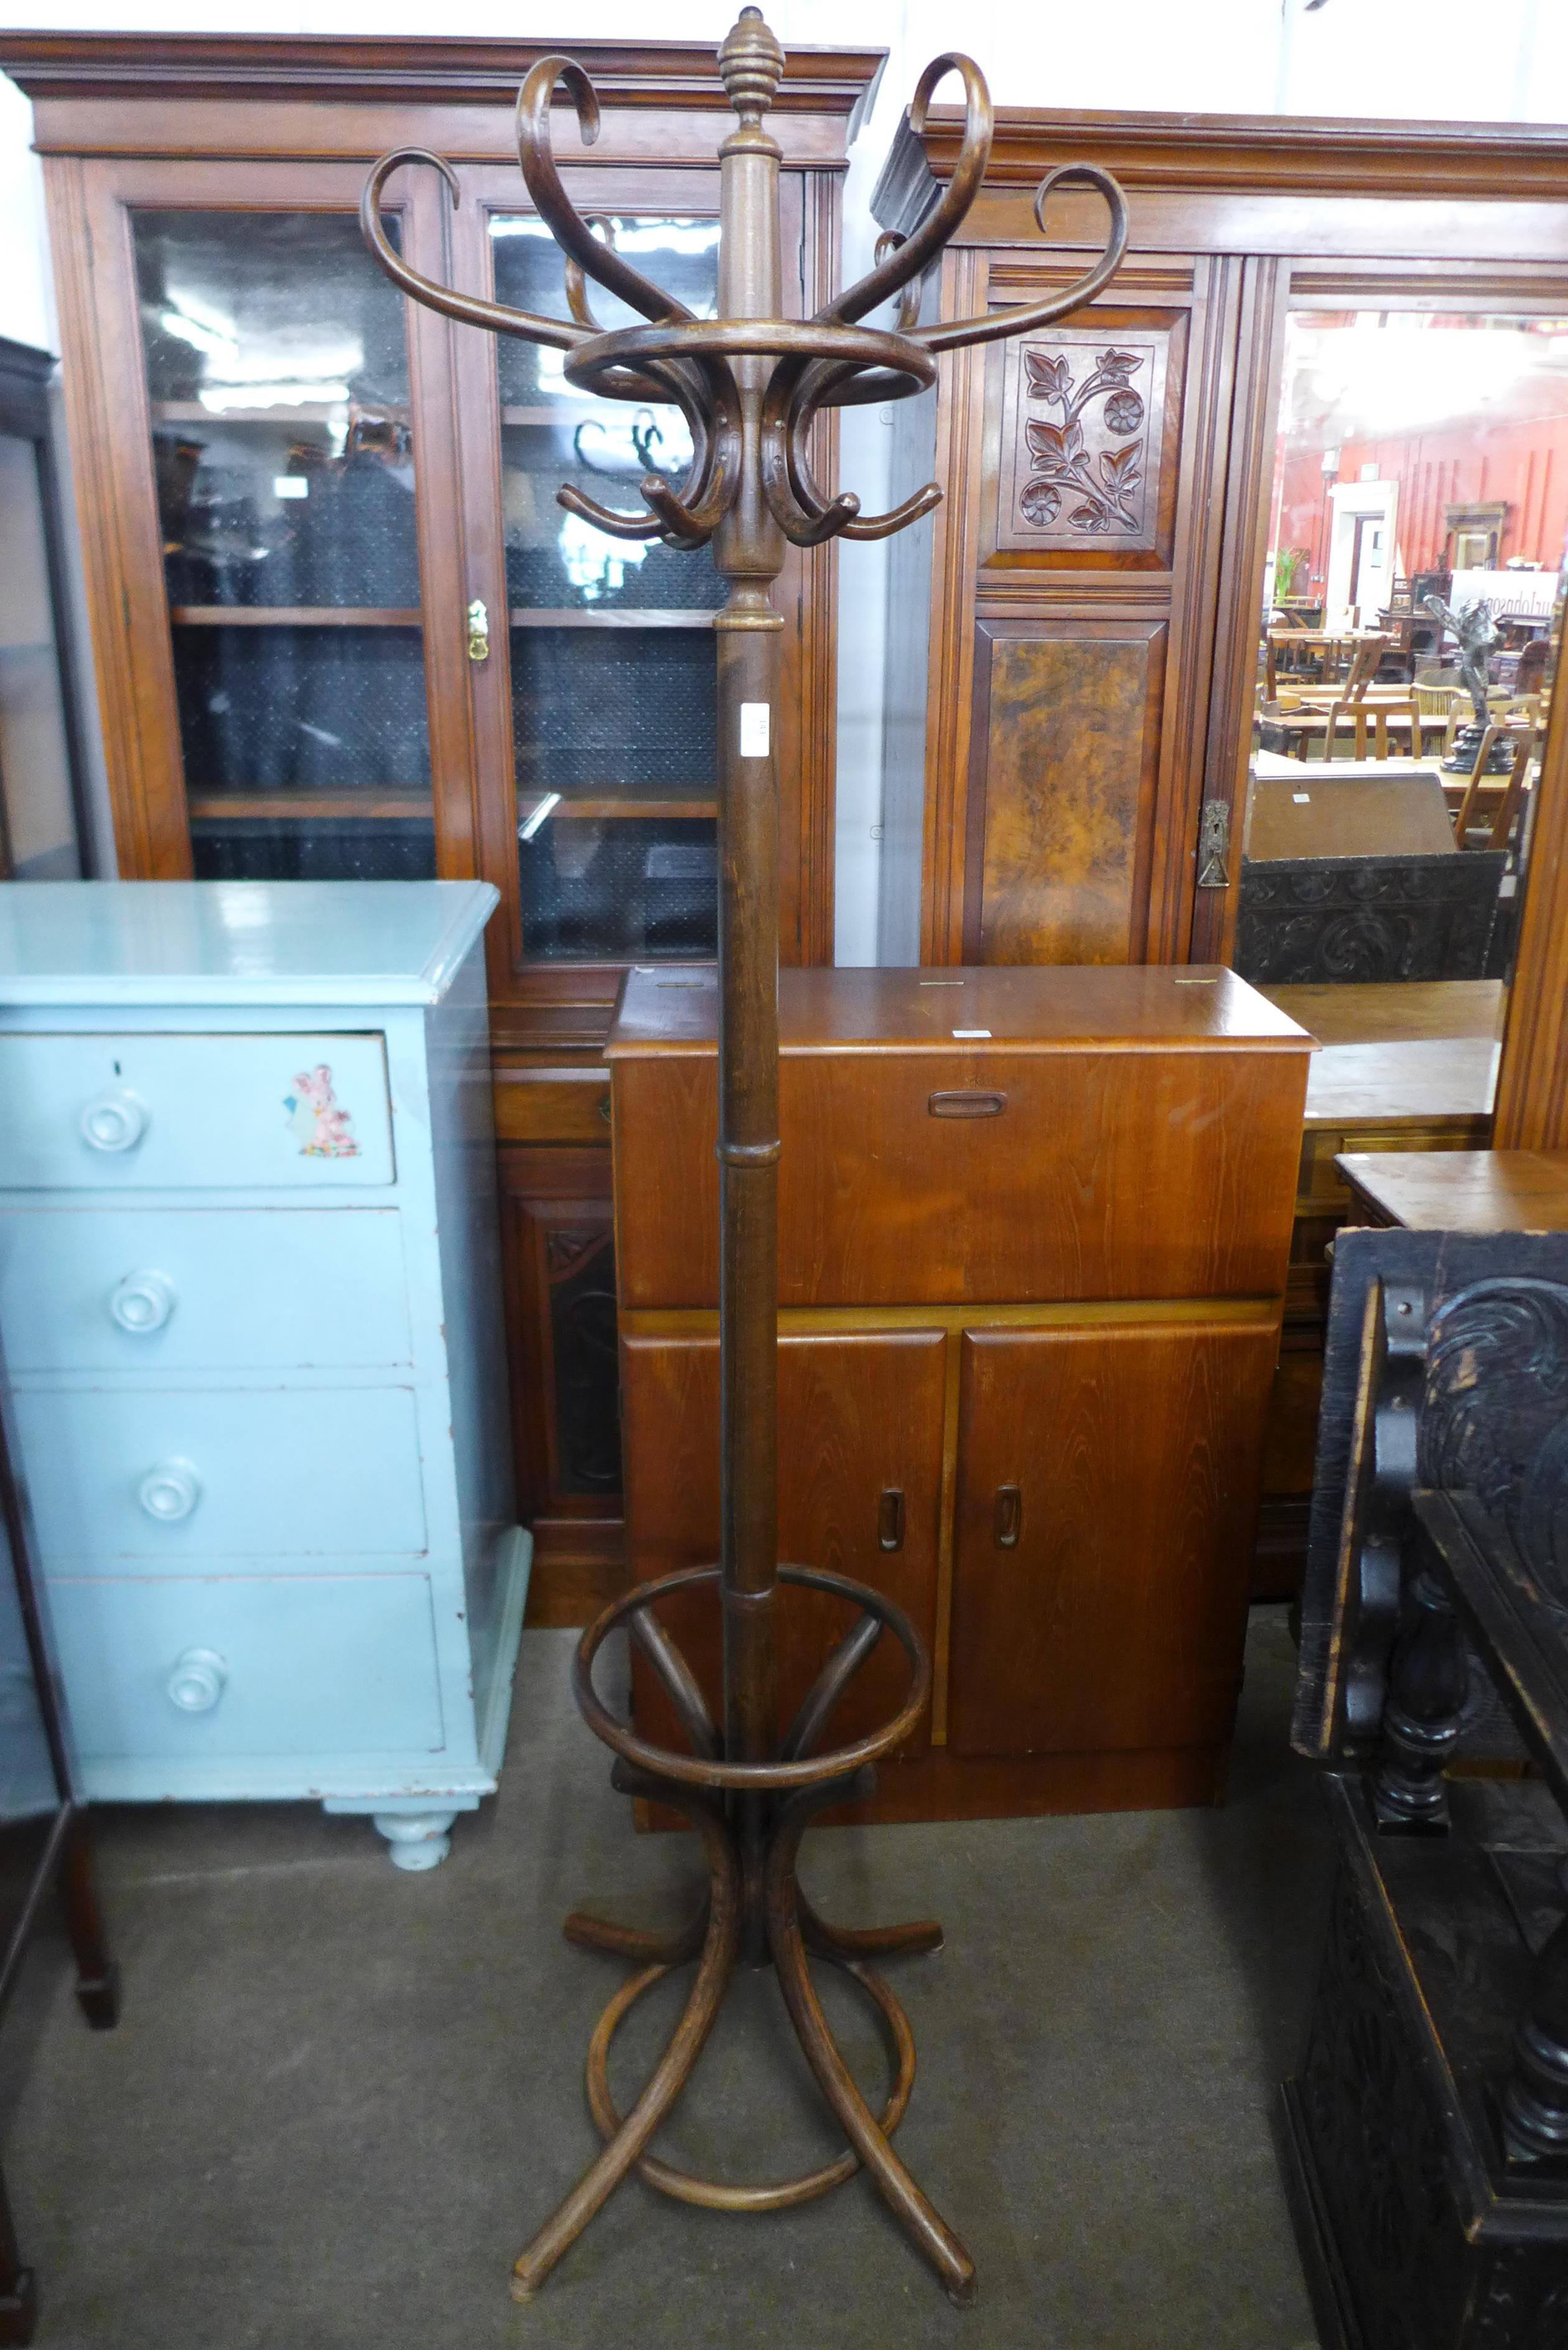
point(340, 2097)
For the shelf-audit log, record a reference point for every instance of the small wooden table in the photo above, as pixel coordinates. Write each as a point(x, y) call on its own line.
point(1459, 1190)
point(1329, 644)
point(1407, 1067)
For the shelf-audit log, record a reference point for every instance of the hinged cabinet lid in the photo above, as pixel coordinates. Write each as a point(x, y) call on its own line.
point(1052, 1008)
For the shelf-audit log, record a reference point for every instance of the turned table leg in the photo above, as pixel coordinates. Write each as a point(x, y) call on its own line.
point(1429, 1680)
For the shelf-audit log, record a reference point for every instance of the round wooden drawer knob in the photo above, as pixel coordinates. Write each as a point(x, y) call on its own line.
point(170, 1492)
point(198, 1681)
point(142, 1302)
point(114, 1120)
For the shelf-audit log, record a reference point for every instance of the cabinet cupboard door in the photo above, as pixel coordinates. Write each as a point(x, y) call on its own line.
point(860, 1448)
point(559, 1246)
point(1107, 1488)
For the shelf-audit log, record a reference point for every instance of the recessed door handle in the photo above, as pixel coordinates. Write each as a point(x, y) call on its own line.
point(964, 1102)
point(1007, 1517)
point(890, 1519)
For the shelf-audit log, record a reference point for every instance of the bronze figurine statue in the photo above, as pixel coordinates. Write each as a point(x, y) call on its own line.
point(1476, 633)
point(750, 384)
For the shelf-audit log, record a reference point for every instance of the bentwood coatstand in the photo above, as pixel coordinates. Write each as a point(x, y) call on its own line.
point(750, 384)
point(250, 1299)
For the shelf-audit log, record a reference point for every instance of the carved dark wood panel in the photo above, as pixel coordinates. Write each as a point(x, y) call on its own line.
point(1376, 2148)
point(1416, 2232)
point(1064, 757)
point(1488, 1314)
point(1494, 1414)
point(1366, 918)
point(1090, 433)
point(1525, 2305)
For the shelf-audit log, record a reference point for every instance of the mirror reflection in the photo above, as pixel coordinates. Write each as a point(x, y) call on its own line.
point(1412, 612)
point(612, 654)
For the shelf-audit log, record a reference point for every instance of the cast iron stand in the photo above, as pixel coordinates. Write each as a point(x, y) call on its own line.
point(749, 383)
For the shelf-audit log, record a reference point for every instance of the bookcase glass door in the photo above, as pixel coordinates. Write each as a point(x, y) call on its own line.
point(38, 815)
point(277, 380)
point(610, 640)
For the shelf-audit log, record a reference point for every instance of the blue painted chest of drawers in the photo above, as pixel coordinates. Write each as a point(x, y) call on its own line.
point(250, 1299)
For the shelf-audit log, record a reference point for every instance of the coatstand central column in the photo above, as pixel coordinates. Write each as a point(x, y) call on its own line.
point(749, 552)
point(750, 384)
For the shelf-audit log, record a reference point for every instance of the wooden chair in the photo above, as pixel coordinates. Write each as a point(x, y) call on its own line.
point(1437, 702)
point(1371, 721)
point(1314, 717)
point(1508, 790)
point(1335, 650)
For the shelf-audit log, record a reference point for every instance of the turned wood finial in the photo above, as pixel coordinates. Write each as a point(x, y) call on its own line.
point(750, 65)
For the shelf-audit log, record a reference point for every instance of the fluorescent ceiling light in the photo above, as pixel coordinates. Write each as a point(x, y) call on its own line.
point(536, 815)
point(631, 237)
point(201, 337)
point(219, 398)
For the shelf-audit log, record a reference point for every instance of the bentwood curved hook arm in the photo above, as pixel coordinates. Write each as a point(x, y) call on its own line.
point(560, 215)
point(686, 518)
point(800, 385)
point(577, 284)
point(996, 326)
point(909, 260)
point(806, 519)
point(470, 309)
point(798, 504)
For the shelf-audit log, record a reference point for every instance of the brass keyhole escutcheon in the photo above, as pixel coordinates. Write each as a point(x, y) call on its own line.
point(478, 631)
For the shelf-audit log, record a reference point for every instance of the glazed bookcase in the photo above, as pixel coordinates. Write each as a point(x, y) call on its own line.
point(341, 629)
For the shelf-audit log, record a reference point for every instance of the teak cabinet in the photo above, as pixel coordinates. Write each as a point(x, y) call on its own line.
point(341, 629)
point(1033, 1236)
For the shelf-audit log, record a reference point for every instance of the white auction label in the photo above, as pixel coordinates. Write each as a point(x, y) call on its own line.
point(755, 730)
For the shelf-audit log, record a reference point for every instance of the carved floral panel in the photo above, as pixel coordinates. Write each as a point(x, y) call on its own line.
point(1084, 435)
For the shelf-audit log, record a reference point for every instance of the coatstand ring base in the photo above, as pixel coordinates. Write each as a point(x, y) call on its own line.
point(723, 2195)
point(751, 1817)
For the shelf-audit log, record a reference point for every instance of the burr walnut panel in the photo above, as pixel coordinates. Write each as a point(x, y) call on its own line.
point(1107, 1490)
point(1064, 759)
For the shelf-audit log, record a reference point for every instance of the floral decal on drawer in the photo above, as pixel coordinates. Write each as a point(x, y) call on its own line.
point(323, 1129)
